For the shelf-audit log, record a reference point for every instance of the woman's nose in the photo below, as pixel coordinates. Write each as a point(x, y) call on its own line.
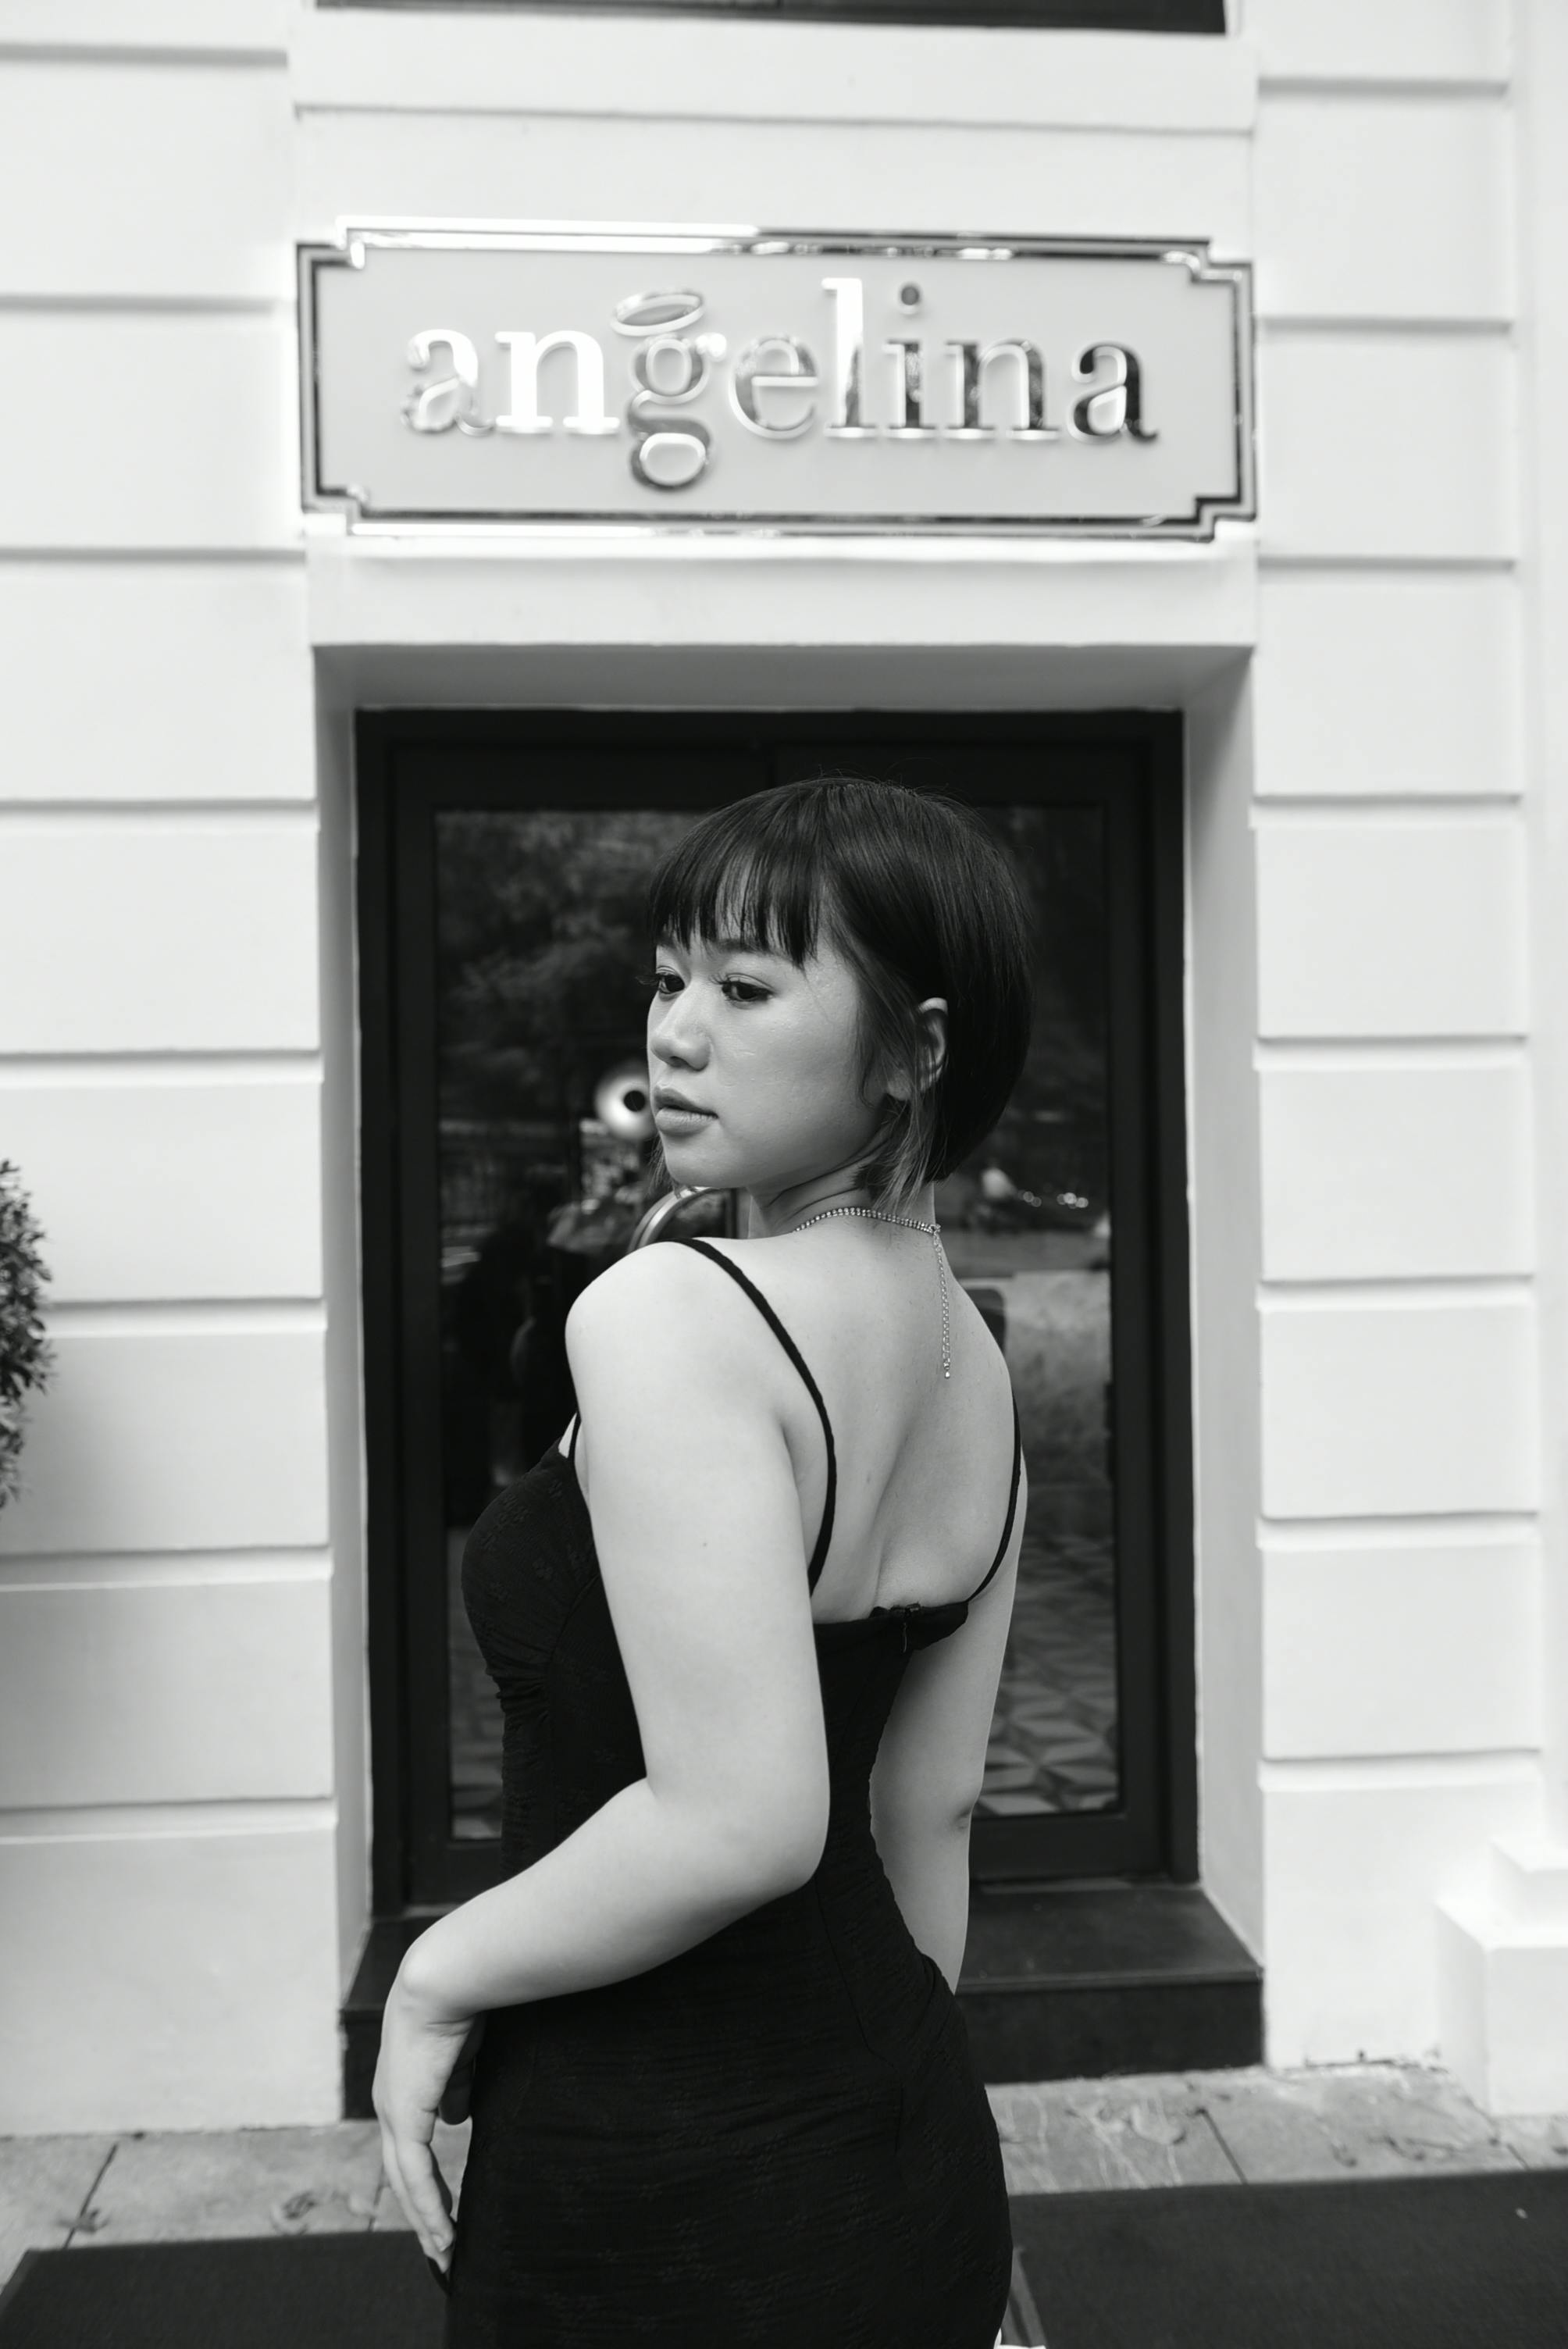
point(680, 1032)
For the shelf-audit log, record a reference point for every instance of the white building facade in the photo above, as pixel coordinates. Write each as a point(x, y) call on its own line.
point(1375, 711)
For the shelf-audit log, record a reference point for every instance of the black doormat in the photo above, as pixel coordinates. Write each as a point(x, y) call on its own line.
point(268, 2292)
point(1474, 2262)
point(1477, 2260)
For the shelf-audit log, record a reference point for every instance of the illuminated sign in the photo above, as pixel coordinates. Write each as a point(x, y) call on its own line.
point(575, 378)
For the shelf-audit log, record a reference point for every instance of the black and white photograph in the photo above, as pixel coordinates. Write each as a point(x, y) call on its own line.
point(783, 1175)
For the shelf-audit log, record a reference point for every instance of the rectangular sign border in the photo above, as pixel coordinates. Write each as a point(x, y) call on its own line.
point(357, 234)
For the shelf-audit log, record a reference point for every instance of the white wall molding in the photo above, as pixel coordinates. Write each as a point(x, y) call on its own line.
point(126, 1822)
point(1346, 90)
point(736, 70)
point(282, 1067)
point(1352, 46)
point(1501, 1527)
point(1374, 563)
point(1503, 1941)
point(159, 32)
point(1353, 1773)
point(147, 1570)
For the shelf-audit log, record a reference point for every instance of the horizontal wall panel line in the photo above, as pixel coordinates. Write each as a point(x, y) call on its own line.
point(1500, 1529)
point(1429, 1043)
point(1283, 559)
point(749, 111)
point(63, 1312)
point(183, 817)
point(332, 547)
point(150, 50)
point(270, 551)
point(56, 814)
point(115, 1822)
point(1367, 86)
point(1379, 807)
point(158, 1570)
point(226, 1317)
point(177, 306)
point(27, 1071)
point(1281, 325)
point(1355, 1053)
point(1347, 1774)
point(1421, 1292)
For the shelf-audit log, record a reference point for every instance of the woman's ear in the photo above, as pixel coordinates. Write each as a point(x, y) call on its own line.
point(933, 1017)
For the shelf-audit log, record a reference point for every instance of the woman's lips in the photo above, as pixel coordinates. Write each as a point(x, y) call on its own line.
point(669, 1119)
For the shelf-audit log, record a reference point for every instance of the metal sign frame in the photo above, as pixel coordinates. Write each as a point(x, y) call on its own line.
point(356, 237)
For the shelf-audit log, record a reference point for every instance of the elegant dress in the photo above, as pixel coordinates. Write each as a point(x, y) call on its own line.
point(777, 2137)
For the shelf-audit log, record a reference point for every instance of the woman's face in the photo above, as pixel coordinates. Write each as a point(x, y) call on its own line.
point(767, 1049)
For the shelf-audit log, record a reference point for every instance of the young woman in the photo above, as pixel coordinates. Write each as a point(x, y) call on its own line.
point(747, 1625)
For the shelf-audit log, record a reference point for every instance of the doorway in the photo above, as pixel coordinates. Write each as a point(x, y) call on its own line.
point(505, 1136)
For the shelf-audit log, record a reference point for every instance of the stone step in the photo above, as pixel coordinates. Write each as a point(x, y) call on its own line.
point(1109, 1975)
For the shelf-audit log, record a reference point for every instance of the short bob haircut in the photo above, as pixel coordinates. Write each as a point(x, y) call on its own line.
point(919, 899)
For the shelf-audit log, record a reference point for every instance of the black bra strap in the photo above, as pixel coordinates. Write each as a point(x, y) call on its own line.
point(825, 1533)
point(1012, 1504)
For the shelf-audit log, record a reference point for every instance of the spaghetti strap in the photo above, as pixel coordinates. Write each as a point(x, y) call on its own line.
point(1012, 1505)
point(825, 1532)
point(576, 1424)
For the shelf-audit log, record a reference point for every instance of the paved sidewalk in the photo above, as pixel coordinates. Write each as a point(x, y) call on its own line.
point(1179, 2128)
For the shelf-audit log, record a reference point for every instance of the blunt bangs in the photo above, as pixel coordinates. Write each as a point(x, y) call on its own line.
point(748, 872)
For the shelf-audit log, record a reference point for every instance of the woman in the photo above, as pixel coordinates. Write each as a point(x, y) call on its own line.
point(722, 2092)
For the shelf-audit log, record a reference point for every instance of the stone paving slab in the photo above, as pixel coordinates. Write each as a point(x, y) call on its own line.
point(1182, 2128)
point(188, 2184)
point(44, 2182)
point(1541, 2144)
point(1077, 2136)
point(1386, 2120)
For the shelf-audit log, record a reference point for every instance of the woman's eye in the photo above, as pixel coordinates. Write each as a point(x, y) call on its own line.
point(739, 990)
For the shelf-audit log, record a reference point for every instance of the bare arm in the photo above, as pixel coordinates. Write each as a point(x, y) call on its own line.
point(697, 1530)
point(931, 1764)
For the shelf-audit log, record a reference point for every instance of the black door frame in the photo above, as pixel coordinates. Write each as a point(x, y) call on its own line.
point(415, 1864)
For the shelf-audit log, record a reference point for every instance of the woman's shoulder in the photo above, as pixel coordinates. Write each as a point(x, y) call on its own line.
point(661, 1332)
point(659, 1296)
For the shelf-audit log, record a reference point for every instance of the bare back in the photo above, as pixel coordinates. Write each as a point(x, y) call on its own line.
point(924, 1462)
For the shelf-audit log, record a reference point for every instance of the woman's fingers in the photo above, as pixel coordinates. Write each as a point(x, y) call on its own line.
point(422, 2192)
point(430, 2195)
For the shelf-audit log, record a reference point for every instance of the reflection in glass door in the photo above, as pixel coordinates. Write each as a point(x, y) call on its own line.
point(522, 1079)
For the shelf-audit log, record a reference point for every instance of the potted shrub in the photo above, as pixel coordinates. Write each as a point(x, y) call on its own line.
point(26, 1358)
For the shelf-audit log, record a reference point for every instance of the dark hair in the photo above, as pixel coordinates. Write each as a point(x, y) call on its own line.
point(919, 899)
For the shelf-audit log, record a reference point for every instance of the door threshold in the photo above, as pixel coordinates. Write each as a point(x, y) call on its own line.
point(1089, 1978)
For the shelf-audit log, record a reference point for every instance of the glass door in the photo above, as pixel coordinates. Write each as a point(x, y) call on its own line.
point(507, 1140)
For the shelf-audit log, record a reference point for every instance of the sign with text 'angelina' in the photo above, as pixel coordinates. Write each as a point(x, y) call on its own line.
point(574, 377)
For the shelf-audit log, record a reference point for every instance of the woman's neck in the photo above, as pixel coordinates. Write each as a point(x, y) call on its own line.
point(779, 1212)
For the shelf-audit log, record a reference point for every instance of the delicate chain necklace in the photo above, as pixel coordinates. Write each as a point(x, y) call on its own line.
point(912, 1225)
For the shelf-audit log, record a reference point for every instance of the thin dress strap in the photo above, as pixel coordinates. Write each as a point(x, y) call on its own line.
point(825, 1533)
point(1012, 1505)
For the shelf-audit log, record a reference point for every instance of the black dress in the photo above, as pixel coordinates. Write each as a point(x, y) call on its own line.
point(776, 2136)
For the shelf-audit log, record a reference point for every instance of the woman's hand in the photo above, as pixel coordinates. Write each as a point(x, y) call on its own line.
point(424, 2069)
